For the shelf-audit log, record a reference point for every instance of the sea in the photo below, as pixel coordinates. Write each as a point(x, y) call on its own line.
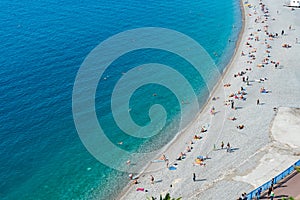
point(43, 46)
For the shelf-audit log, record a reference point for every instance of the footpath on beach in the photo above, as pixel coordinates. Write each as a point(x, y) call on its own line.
point(248, 131)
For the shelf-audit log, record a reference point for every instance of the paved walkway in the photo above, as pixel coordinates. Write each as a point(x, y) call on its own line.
point(288, 188)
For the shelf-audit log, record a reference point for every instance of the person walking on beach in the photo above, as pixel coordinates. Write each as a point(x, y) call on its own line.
point(232, 104)
point(222, 145)
point(257, 102)
point(152, 179)
point(194, 177)
point(228, 147)
point(282, 32)
point(213, 110)
point(296, 40)
point(130, 176)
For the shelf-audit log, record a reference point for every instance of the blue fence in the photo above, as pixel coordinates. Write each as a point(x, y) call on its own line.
point(277, 178)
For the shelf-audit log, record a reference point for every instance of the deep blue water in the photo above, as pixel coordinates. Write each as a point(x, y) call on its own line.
point(43, 44)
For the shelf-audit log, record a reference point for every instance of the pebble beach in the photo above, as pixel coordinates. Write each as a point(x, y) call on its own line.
point(253, 108)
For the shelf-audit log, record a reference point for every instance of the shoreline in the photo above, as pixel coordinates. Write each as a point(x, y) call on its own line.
point(206, 104)
point(226, 179)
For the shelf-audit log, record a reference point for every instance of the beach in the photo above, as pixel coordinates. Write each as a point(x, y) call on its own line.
point(45, 45)
point(260, 83)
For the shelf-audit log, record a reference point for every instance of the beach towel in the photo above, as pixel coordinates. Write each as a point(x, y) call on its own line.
point(156, 161)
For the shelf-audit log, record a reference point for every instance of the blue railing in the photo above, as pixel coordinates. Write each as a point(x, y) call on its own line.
point(277, 178)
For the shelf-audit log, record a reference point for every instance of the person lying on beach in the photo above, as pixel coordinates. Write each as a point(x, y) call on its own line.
point(266, 61)
point(203, 129)
point(196, 137)
point(239, 74)
point(242, 97)
point(263, 90)
point(227, 85)
point(231, 95)
point(262, 80)
point(189, 149)
point(163, 157)
point(240, 126)
point(134, 182)
point(260, 65)
point(181, 156)
point(199, 162)
point(286, 46)
point(232, 118)
point(215, 98)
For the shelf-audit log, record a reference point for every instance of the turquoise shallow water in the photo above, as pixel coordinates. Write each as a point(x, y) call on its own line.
point(43, 46)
